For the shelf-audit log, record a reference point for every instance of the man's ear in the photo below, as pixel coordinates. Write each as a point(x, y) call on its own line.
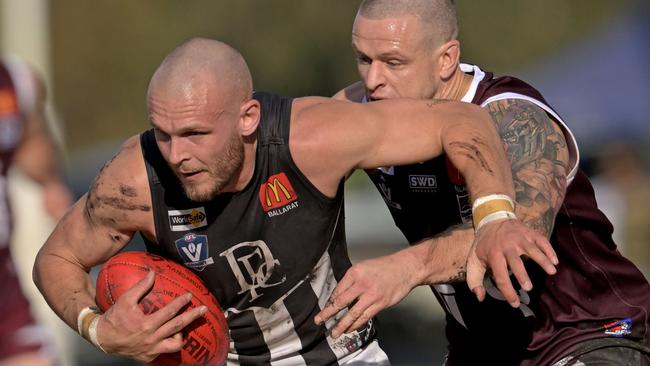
point(449, 58)
point(249, 117)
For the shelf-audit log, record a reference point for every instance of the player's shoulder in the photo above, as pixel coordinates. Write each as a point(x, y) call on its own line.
point(125, 174)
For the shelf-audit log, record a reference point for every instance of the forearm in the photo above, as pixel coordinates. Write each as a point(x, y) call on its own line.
point(66, 286)
point(62, 265)
point(444, 257)
point(476, 150)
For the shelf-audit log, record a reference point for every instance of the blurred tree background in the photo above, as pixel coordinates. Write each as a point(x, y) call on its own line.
point(104, 52)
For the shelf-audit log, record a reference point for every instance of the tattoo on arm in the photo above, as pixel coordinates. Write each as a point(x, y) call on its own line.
point(121, 201)
point(538, 152)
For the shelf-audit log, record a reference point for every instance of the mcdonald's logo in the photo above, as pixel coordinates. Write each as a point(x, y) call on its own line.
point(276, 192)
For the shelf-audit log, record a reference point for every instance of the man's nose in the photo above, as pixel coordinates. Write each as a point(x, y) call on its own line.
point(176, 151)
point(375, 78)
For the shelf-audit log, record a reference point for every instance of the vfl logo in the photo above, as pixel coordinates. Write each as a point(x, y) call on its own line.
point(253, 268)
point(194, 251)
point(183, 220)
point(277, 192)
point(423, 183)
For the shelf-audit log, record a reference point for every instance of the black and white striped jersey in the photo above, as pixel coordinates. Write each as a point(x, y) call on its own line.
point(271, 254)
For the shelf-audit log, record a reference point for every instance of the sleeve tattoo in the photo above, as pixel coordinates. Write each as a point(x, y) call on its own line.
point(537, 150)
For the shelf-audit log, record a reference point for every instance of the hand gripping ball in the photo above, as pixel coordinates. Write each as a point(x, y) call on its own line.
point(205, 341)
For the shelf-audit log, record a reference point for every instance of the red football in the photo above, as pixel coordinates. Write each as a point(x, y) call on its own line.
point(205, 340)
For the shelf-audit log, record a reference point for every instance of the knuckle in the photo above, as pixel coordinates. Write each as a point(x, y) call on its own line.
point(502, 282)
point(177, 325)
point(147, 327)
point(354, 314)
point(364, 318)
point(334, 302)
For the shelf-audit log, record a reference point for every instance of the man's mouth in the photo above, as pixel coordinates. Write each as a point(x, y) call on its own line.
point(190, 175)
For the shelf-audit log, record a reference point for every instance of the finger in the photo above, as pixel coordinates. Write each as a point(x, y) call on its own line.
point(349, 318)
point(365, 317)
point(545, 246)
point(336, 304)
point(475, 275)
point(167, 312)
point(502, 280)
point(181, 321)
point(542, 259)
point(169, 345)
point(516, 265)
point(140, 289)
point(340, 298)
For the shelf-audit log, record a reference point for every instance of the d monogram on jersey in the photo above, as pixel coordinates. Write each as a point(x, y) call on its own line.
point(596, 292)
point(271, 254)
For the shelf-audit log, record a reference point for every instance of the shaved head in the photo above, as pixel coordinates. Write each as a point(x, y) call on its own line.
point(438, 17)
point(199, 101)
point(205, 63)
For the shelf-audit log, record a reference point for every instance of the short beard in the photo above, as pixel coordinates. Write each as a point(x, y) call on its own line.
point(221, 173)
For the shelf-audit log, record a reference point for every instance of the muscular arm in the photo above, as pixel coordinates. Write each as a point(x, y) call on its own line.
point(539, 158)
point(537, 150)
point(117, 205)
point(329, 138)
point(96, 227)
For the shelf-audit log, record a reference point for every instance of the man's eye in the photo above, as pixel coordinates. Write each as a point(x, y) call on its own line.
point(193, 133)
point(365, 60)
point(160, 135)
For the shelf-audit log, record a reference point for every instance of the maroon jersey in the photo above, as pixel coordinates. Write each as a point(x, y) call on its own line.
point(18, 331)
point(595, 293)
point(10, 134)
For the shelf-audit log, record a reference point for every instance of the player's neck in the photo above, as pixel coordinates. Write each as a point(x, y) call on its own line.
point(247, 170)
point(456, 87)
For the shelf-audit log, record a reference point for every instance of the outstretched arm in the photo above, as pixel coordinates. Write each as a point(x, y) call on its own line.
point(329, 138)
point(382, 282)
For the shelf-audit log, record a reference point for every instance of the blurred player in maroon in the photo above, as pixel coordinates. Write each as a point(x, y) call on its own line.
point(595, 309)
point(25, 143)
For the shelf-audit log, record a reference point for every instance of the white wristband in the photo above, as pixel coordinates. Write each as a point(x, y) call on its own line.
point(92, 333)
point(80, 318)
point(499, 215)
point(87, 325)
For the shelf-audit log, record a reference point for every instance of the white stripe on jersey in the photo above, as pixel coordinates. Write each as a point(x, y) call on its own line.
point(278, 332)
